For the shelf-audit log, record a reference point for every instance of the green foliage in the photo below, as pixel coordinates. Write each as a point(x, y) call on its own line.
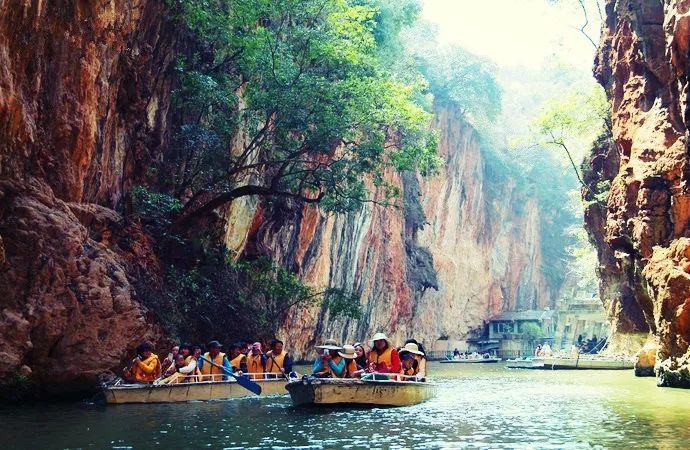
point(305, 80)
point(155, 210)
point(531, 331)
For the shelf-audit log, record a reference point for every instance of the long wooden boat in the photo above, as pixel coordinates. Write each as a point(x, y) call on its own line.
point(525, 363)
point(329, 391)
point(470, 361)
point(184, 392)
point(587, 364)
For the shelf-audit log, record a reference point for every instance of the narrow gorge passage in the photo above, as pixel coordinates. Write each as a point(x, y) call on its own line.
point(499, 181)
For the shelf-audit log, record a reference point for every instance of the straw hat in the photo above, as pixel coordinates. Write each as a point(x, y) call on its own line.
point(379, 337)
point(411, 347)
point(330, 344)
point(348, 352)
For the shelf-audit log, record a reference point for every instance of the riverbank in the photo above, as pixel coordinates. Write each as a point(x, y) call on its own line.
point(476, 406)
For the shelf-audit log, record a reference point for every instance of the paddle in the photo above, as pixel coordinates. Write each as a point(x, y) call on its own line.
point(243, 381)
point(282, 371)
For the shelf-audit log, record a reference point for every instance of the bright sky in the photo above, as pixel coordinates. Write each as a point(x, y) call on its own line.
point(513, 32)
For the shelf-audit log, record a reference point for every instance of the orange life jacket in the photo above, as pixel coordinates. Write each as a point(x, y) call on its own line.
point(148, 370)
point(350, 368)
point(209, 369)
point(254, 364)
point(384, 358)
point(237, 361)
point(275, 366)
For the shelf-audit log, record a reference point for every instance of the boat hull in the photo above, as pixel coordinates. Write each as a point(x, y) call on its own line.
point(586, 364)
point(357, 392)
point(470, 361)
point(525, 364)
point(184, 392)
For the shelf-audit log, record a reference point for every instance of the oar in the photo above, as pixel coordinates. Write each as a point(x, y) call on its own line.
point(283, 371)
point(243, 381)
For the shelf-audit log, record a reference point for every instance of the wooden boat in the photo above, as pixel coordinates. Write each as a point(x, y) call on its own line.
point(184, 392)
point(330, 391)
point(525, 363)
point(584, 363)
point(471, 361)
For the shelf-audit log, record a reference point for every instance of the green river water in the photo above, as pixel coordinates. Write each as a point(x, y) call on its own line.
point(477, 406)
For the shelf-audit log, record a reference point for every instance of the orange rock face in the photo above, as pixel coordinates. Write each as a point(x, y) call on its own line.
point(641, 231)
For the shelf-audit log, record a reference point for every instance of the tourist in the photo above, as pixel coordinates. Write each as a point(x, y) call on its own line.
point(189, 370)
point(277, 360)
point(456, 354)
point(537, 351)
point(330, 363)
point(361, 359)
point(238, 360)
point(145, 368)
point(408, 366)
point(349, 354)
point(214, 365)
point(197, 351)
point(172, 375)
point(546, 350)
point(421, 356)
point(169, 360)
point(383, 357)
point(256, 361)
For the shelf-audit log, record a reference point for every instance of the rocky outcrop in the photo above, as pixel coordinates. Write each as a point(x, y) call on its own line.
point(84, 94)
point(464, 246)
point(642, 230)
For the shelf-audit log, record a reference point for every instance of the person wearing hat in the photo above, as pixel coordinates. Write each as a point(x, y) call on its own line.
point(211, 372)
point(330, 363)
point(350, 354)
point(256, 361)
point(278, 362)
point(408, 362)
point(383, 357)
point(420, 357)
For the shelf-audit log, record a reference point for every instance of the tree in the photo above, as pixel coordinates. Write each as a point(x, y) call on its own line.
point(288, 98)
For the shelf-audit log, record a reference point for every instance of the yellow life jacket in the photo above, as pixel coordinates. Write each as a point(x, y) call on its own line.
point(254, 364)
point(384, 358)
point(237, 361)
point(192, 376)
point(275, 366)
point(209, 369)
point(148, 370)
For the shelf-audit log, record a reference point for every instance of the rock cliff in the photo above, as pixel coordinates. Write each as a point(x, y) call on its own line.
point(642, 229)
point(464, 245)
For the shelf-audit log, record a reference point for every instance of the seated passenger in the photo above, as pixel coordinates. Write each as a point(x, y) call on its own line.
point(169, 360)
point(383, 357)
point(189, 370)
point(256, 362)
point(213, 362)
point(278, 361)
point(238, 360)
point(421, 356)
point(360, 360)
point(146, 368)
point(349, 354)
point(330, 363)
point(172, 375)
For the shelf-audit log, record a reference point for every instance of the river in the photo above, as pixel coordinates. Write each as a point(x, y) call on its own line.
point(477, 406)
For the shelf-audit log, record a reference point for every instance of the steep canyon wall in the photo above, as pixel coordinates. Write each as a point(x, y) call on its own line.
point(642, 231)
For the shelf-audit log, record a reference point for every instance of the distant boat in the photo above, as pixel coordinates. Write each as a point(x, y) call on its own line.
point(587, 363)
point(331, 391)
point(525, 363)
point(472, 360)
point(184, 392)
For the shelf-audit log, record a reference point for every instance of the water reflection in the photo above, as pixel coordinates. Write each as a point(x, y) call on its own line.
point(476, 407)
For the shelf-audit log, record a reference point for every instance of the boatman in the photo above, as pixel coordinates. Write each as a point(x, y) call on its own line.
point(383, 357)
point(256, 362)
point(213, 362)
point(278, 362)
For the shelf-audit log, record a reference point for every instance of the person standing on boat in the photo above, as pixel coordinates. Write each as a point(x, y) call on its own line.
point(330, 363)
point(383, 357)
point(256, 361)
point(278, 362)
point(146, 367)
point(211, 372)
point(238, 360)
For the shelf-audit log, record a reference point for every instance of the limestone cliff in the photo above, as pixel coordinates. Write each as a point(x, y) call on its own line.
point(84, 89)
point(464, 245)
point(642, 230)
